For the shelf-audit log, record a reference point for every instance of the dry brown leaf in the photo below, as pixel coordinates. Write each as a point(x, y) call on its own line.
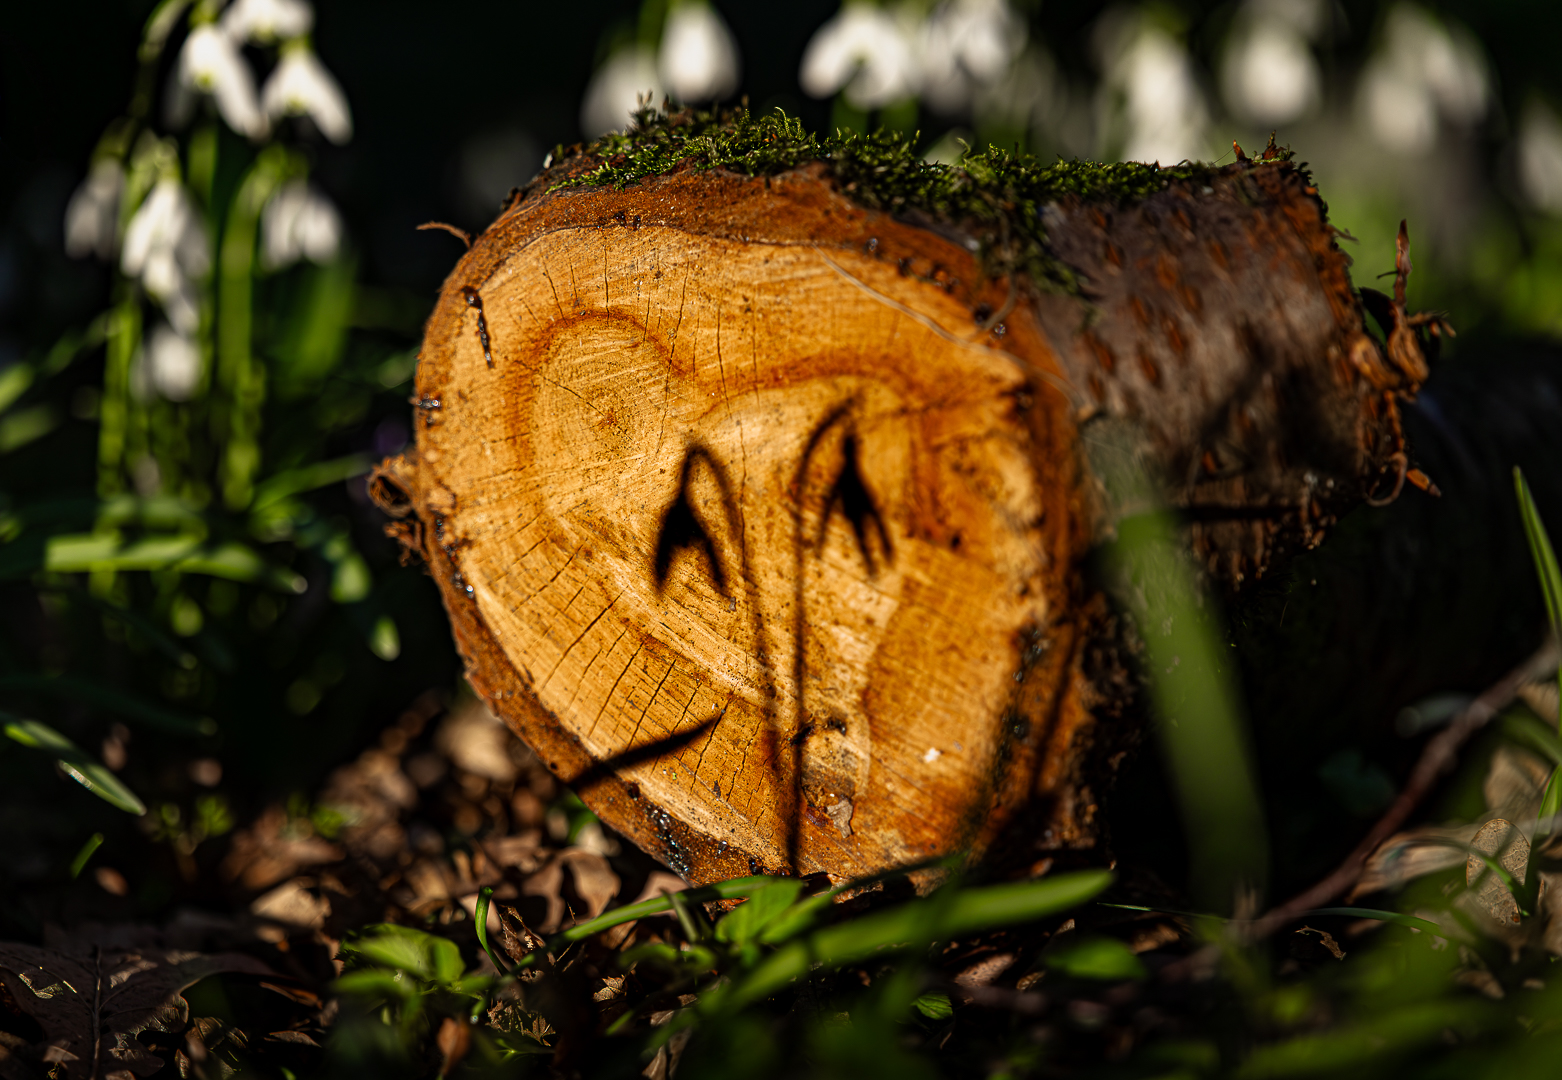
point(1501, 840)
point(1414, 853)
point(454, 1037)
point(475, 740)
point(92, 1003)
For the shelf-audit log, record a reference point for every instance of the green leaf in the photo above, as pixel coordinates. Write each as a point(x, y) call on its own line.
point(1537, 736)
point(79, 552)
point(744, 922)
point(1545, 563)
point(1550, 804)
point(425, 955)
point(934, 1006)
point(480, 922)
point(732, 889)
point(87, 772)
point(936, 917)
point(377, 983)
point(79, 863)
point(1201, 727)
point(1097, 958)
point(26, 425)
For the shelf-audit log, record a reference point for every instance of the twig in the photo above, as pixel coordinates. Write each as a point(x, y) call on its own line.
point(460, 234)
point(1437, 758)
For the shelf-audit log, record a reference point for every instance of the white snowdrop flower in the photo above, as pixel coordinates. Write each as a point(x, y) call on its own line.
point(1164, 116)
point(92, 215)
point(1540, 157)
point(210, 63)
point(301, 86)
point(1398, 110)
point(616, 89)
point(1269, 74)
point(299, 223)
point(698, 60)
point(172, 363)
point(266, 21)
point(965, 45)
point(1423, 71)
point(866, 51)
point(166, 247)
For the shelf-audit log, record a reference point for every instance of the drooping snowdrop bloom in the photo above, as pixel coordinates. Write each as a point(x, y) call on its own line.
point(299, 223)
point(1424, 71)
point(1164, 116)
point(166, 247)
point(210, 63)
point(267, 21)
point(171, 363)
point(616, 89)
point(92, 215)
point(866, 51)
point(1540, 156)
point(965, 45)
point(301, 86)
point(698, 60)
point(1269, 74)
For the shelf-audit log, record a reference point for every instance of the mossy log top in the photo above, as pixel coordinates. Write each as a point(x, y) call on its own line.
point(759, 473)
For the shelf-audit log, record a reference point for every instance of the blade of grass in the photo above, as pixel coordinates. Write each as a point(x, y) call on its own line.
point(1545, 565)
point(484, 895)
point(90, 774)
point(307, 478)
point(1398, 918)
point(1201, 731)
point(79, 863)
point(966, 911)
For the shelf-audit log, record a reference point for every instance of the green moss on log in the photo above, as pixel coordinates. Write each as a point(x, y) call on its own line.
point(994, 196)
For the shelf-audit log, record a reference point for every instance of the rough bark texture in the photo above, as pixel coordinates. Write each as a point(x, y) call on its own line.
point(761, 515)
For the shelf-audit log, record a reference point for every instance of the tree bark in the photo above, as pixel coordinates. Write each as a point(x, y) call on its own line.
point(762, 516)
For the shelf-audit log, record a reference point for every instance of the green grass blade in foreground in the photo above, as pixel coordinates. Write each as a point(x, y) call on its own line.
point(308, 478)
point(966, 912)
point(1201, 730)
point(1395, 917)
point(480, 923)
point(1545, 565)
point(1537, 736)
point(721, 890)
point(90, 774)
point(1550, 807)
point(79, 863)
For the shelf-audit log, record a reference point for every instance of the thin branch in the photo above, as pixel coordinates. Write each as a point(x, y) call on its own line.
point(1438, 757)
point(460, 234)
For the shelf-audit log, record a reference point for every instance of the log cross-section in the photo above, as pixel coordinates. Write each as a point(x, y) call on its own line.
point(761, 515)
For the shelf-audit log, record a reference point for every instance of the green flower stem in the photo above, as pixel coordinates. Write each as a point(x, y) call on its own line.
point(124, 335)
point(240, 376)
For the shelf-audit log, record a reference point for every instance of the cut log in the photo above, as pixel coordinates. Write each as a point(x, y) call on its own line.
point(761, 513)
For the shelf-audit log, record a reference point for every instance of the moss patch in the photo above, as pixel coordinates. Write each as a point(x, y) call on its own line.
point(993, 195)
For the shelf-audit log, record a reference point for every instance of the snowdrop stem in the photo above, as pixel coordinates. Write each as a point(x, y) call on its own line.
point(202, 167)
point(124, 334)
point(241, 378)
point(154, 38)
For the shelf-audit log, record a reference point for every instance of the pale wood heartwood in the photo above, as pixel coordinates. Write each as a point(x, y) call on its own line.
point(766, 533)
